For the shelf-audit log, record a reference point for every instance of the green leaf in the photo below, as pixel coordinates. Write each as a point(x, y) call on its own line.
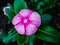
point(46, 18)
point(48, 34)
point(9, 37)
point(34, 1)
point(40, 4)
point(46, 1)
point(21, 39)
point(2, 35)
point(10, 13)
point(19, 5)
point(9, 5)
point(53, 4)
point(11, 33)
point(41, 11)
point(14, 39)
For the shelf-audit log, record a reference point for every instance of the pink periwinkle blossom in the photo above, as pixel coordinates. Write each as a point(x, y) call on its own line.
point(26, 22)
point(5, 9)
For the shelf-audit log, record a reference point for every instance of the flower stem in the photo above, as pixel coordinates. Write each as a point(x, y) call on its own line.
point(30, 40)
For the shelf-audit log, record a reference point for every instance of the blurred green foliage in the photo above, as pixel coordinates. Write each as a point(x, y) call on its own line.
point(10, 36)
point(46, 18)
point(18, 5)
point(48, 33)
point(10, 14)
point(2, 35)
point(21, 39)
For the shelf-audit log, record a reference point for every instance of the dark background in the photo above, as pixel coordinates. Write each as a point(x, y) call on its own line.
point(54, 23)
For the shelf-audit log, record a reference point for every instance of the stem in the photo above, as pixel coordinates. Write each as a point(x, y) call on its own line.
point(31, 39)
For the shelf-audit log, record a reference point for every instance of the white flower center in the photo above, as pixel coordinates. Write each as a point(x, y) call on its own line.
point(25, 20)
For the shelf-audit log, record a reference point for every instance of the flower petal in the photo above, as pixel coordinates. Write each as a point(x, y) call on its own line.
point(16, 19)
point(36, 23)
point(25, 12)
point(31, 29)
point(20, 28)
point(35, 17)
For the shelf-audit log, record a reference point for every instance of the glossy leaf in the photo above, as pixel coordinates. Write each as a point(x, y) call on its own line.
point(11, 33)
point(48, 34)
point(21, 39)
point(46, 18)
point(9, 37)
point(10, 13)
point(19, 4)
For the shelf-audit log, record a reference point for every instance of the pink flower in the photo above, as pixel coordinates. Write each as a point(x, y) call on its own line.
point(5, 9)
point(26, 22)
